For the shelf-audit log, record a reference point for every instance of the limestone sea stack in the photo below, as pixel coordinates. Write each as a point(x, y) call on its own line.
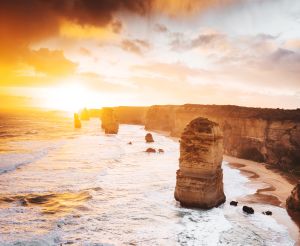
point(293, 201)
point(110, 123)
point(149, 138)
point(84, 114)
point(199, 180)
point(77, 123)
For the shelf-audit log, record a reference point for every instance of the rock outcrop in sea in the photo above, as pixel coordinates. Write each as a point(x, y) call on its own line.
point(77, 123)
point(293, 201)
point(149, 138)
point(110, 123)
point(84, 114)
point(199, 180)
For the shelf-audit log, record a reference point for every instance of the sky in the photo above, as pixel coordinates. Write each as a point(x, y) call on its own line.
point(68, 54)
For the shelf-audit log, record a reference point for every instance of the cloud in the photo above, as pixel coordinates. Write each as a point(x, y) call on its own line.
point(52, 63)
point(187, 7)
point(85, 51)
point(169, 71)
point(22, 23)
point(160, 28)
point(137, 46)
point(100, 83)
point(212, 40)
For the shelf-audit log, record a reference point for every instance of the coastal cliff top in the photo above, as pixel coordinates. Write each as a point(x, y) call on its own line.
point(240, 111)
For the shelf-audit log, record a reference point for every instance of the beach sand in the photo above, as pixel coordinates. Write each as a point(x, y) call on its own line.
point(273, 187)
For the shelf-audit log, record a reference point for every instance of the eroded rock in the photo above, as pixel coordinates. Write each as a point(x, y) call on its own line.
point(84, 114)
point(150, 150)
point(199, 180)
point(248, 210)
point(293, 201)
point(233, 203)
point(149, 138)
point(77, 123)
point(267, 213)
point(110, 123)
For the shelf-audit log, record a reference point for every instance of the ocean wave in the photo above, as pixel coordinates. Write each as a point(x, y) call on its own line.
point(11, 161)
point(51, 203)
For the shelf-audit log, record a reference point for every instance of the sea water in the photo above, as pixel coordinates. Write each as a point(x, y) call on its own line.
point(65, 186)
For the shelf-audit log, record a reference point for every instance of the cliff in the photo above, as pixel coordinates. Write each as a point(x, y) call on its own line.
point(131, 115)
point(199, 181)
point(263, 135)
point(293, 201)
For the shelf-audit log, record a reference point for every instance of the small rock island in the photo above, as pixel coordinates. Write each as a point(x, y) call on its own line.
point(199, 180)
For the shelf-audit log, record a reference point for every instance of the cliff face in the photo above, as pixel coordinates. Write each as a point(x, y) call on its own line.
point(109, 120)
point(131, 115)
point(199, 181)
point(293, 201)
point(263, 135)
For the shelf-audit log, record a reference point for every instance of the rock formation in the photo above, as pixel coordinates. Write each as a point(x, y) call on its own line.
point(150, 150)
point(149, 138)
point(109, 120)
point(200, 177)
point(268, 212)
point(259, 134)
point(84, 114)
point(293, 201)
point(248, 210)
point(77, 123)
point(234, 203)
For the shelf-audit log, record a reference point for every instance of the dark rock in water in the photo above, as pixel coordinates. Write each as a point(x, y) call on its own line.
point(151, 150)
point(84, 114)
point(233, 203)
point(199, 180)
point(293, 201)
point(130, 143)
point(149, 138)
point(23, 202)
point(161, 151)
point(248, 210)
point(267, 212)
point(77, 123)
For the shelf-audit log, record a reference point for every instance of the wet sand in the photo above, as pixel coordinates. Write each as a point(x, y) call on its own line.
point(272, 187)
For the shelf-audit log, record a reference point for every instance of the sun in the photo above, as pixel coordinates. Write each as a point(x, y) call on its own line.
point(68, 97)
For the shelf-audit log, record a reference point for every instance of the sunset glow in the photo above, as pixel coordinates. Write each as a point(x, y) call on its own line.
point(149, 52)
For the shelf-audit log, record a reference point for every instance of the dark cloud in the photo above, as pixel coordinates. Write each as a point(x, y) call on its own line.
point(285, 56)
point(179, 42)
point(117, 26)
point(160, 28)
point(137, 46)
point(25, 22)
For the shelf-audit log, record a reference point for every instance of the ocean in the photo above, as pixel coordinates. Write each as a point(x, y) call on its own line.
point(66, 186)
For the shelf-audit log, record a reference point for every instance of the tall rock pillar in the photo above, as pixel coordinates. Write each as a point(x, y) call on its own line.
point(199, 180)
point(110, 123)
